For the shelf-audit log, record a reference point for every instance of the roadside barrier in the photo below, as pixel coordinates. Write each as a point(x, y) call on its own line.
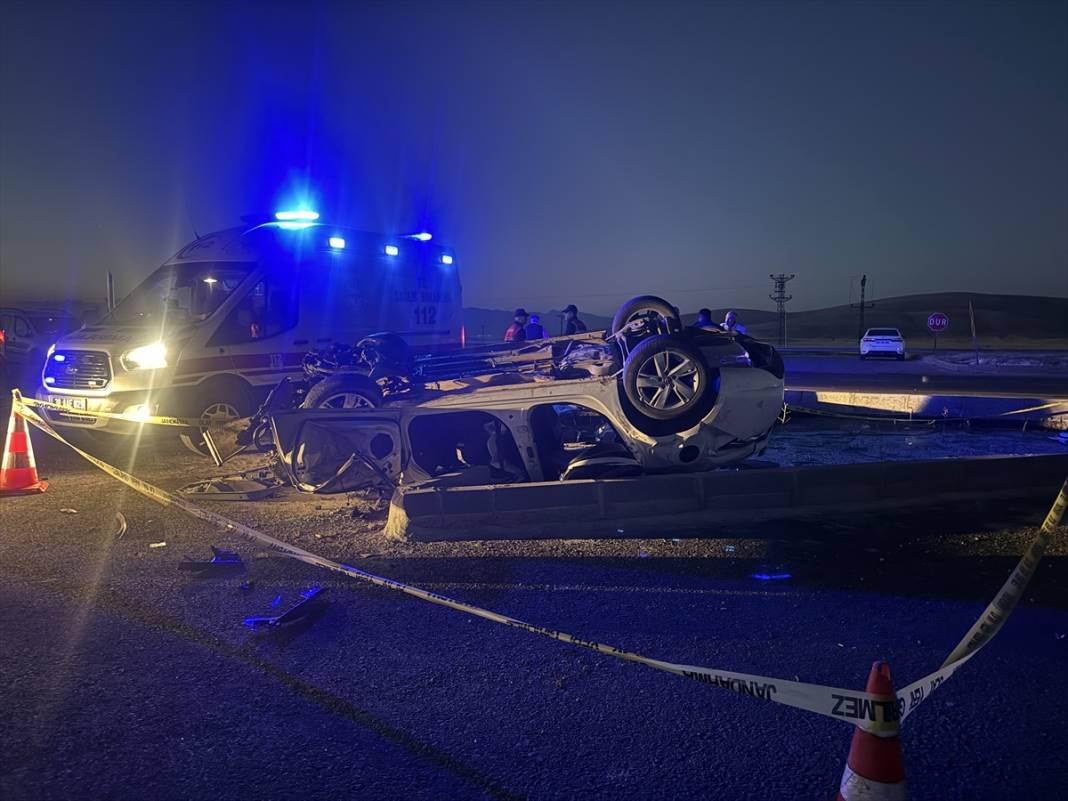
point(18, 471)
point(877, 711)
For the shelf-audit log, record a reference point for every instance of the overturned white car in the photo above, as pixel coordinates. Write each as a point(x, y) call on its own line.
point(646, 396)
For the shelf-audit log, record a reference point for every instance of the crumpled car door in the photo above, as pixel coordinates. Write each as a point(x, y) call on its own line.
point(328, 451)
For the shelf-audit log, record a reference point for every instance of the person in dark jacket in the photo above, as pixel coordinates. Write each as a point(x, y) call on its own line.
point(534, 329)
point(704, 319)
point(517, 330)
point(572, 323)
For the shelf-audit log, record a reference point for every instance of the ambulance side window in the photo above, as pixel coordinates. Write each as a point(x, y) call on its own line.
point(267, 310)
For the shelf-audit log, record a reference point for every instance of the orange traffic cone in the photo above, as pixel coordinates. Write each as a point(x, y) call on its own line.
point(875, 769)
point(18, 473)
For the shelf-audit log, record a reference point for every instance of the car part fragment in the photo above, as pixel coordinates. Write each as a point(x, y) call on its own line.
point(221, 560)
point(292, 615)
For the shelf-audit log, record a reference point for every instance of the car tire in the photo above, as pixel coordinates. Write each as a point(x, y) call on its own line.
point(346, 391)
point(217, 402)
point(647, 304)
point(667, 385)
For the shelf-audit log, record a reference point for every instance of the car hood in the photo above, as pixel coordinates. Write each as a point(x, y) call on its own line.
point(117, 335)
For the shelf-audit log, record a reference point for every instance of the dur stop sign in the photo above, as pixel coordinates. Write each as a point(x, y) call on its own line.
point(938, 322)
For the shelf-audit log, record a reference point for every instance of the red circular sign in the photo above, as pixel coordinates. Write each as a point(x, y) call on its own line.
point(938, 322)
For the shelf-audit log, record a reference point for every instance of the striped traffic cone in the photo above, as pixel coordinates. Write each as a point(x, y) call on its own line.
point(18, 473)
point(875, 769)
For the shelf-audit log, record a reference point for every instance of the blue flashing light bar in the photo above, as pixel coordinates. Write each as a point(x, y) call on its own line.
point(337, 243)
point(392, 250)
point(297, 215)
point(59, 357)
point(446, 258)
point(422, 237)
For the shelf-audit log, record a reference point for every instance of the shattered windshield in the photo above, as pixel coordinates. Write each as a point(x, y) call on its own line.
point(181, 293)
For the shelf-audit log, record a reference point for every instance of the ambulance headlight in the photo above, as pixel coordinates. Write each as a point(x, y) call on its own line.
point(146, 357)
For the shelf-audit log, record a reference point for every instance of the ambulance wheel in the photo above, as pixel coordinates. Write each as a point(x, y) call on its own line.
point(346, 391)
point(214, 405)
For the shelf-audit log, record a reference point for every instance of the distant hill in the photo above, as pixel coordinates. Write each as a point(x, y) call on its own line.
point(996, 317)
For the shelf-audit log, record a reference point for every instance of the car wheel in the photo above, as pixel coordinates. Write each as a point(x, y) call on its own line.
point(664, 316)
point(343, 392)
point(214, 405)
point(665, 379)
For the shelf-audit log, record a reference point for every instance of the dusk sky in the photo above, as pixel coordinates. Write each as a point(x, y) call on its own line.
point(570, 152)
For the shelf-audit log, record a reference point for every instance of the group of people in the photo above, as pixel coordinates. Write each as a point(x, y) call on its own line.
point(526, 327)
point(730, 323)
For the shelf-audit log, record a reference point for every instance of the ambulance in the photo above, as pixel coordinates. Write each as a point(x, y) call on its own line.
point(233, 312)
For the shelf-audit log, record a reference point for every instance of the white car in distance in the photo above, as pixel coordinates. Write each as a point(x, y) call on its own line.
point(882, 342)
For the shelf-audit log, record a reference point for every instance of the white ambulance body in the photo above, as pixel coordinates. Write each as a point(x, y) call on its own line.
point(232, 313)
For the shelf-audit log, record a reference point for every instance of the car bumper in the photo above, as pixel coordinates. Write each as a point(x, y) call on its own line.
point(876, 350)
point(120, 403)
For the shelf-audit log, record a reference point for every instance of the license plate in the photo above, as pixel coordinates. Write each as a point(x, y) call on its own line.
point(70, 403)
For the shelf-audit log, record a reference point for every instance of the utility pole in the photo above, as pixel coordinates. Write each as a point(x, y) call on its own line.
point(862, 306)
point(780, 297)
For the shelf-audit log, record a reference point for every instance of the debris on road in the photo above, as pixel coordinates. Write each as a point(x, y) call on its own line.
point(292, 615)
point(221, 560)
point(120, 526)
point(67, 511)
point(230, 488)
point(157, 544)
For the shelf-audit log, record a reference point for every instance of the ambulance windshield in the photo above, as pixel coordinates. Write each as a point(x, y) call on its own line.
point(182, 293)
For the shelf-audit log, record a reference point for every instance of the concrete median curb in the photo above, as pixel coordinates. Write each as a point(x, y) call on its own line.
point(1043, 412)
point(654, 506)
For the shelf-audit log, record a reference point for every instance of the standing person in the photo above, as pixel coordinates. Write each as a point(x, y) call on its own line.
point(572, 323)
point(704, 319)
point(517, 330)
point(534, 329)
point(732, 325)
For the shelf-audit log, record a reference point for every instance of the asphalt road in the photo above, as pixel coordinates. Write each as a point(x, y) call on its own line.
point(919, 377)
point(128, 678)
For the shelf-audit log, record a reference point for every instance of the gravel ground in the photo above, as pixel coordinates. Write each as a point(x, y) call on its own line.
point(128, 678)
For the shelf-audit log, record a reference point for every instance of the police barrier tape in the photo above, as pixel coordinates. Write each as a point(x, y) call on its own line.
point(879, 715)
point(154, 420)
